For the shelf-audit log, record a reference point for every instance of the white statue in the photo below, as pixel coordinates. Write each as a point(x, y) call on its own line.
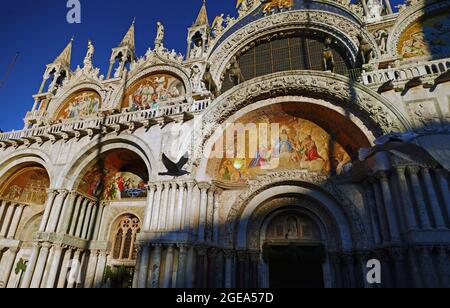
point(381, 38)
point(375, 8)
point(218, 25)
point(159, 34)
point(90, 53)
point(197, 50)
point(196, 79)
point(243, 7)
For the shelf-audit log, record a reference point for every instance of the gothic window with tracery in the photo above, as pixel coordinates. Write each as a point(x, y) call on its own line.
point(124, 246)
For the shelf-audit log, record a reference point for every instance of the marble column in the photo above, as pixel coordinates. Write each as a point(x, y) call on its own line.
point(73, 220)
point(162, 223)
point(40, 265)
point(188, 206)
point(156, 266)
point(31, 266)
point(179, 217)
point(336, 264)
point(93, 220)
point(211, 272)
point(389, 206)
point(156, 207)
point(397, 255)
point(100, 270)
point(202, 210)
point(229, 257)
point(172, 208)
point(16, 220)
point(254, 262)
point(75, 268)
point(433, 198)
point(168, 269)
point(54, 269)
point(2, 210)
point(200, 281)
point(380, 210)
point(181, 271)
point(216, 216)
point(149, 208)
point(407, 205)
point(420, 201)
point(48, 209)
point(429, 275)
point(67, 213)
point(349, 263)
point(219, 270)
point(98, 221)
point(414, 266)
point(56, 211)
point(81, 217)
point(442, 176)
point(443, 262)
point(65, 268)
point(7, 220)
point(210, 215)
point(143, 265)
point(90, 271)
point(190, 268)
point(8, 265)
point(372, 212)
point(87, 219)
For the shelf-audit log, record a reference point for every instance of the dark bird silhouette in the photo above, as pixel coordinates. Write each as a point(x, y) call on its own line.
point(175, 169)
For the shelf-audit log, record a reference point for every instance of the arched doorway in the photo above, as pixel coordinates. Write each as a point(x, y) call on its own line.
point(293, 250)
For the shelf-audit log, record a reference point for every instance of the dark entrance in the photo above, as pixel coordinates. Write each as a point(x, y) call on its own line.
point(295, 266)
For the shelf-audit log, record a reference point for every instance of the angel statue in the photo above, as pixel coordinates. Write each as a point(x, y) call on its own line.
point(242, 7)
point(217, 25)
point(90, 53)
point(159, 34)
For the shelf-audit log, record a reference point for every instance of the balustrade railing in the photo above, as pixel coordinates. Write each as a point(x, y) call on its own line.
point(111, 120)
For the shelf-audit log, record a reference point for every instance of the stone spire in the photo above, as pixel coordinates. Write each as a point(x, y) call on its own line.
point(128, 39)
point(202, 18)
point(65, 57)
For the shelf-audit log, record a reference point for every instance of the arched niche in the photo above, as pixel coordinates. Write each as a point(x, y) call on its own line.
point(27, 184)
point(154, 90)
point(114, 175)
point(285, 136)
point(81, 104)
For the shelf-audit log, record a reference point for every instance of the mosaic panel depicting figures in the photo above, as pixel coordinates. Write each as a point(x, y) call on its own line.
point(115, 176)
point(28, 186)
point(284, 142)
point(154, 91)
point(80, 105)
point(428, 37)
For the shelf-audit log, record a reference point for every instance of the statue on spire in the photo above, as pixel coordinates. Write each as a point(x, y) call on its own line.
point(89, 54)
point(159, 41)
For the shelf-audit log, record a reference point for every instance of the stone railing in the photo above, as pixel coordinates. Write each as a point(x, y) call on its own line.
point(116, 122)
point(406, 72)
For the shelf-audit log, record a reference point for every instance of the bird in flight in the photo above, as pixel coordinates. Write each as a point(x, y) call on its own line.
point(175, 169)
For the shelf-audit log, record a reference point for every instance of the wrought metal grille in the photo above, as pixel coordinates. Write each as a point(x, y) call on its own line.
point(299, 52)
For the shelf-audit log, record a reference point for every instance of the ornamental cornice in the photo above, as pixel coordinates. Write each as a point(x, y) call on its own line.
point(336, 24)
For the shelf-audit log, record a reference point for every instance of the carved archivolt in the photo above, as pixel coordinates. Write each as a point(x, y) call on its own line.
point(408, 17)
point(295, 177)
point(338, 89)
point(340, 27)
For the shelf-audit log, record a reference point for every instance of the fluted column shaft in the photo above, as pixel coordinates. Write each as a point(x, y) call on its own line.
point(172, 207)
point(143, 266)
point(149, 209)
point(162, 224)
point(433, 198)
point(48, 208)
point(90, 271)
point(7, 220)
point(156, 266)
point(74, 274)
point(181, 271)
point(73, 219)
point(389, 207)
point(58, 250)
point(65, 268)
point(16, 220)
point(93, 220)
point(87, 219)
point(156, 207)
point(442, 176)
point(100, 270)
point(229, 257)
point(8, 265)
point(2, 210)
point(420, 202)
point(98, 221)
point(408, 209)
point(210, 215)
point(179, 217)
point(81, 217)
point(56, 211)
point(188, 206)
point(168, 269)
point(31, 266)
point(202, 211)
point(67, 213)
point(40, 266)
point(216, 216)
point(380, 210)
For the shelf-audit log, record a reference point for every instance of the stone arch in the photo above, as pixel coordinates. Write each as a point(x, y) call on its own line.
point(410, 15)
point(343, 29)
point(335, 208)
point(68, 92)
point(180, 73)
point(29, 228)
point(99, 145)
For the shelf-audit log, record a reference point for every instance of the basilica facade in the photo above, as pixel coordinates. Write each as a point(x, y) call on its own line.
point(294, 142)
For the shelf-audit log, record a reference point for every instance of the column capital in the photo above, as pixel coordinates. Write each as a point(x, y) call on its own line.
point(51, 191)
point(255, 255)
point(202, 250)
point(46, 245)
point(229, 253)
point(400, 170)
point(190, 184)
point(204, 186)
point(383, 174)
point(150, 187)
point(182, 248)
point(14, 250)
point(397, 253)
point(73, 193)
point(441, 172)
point(63, 192)
point(242, 255)
point(414, 170)
point(213, 252)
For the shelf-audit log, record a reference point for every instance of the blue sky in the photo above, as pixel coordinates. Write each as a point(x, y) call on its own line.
point(39, 31)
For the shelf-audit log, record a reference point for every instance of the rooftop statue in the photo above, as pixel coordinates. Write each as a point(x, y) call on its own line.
point(159, 34)
point(90, 53)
